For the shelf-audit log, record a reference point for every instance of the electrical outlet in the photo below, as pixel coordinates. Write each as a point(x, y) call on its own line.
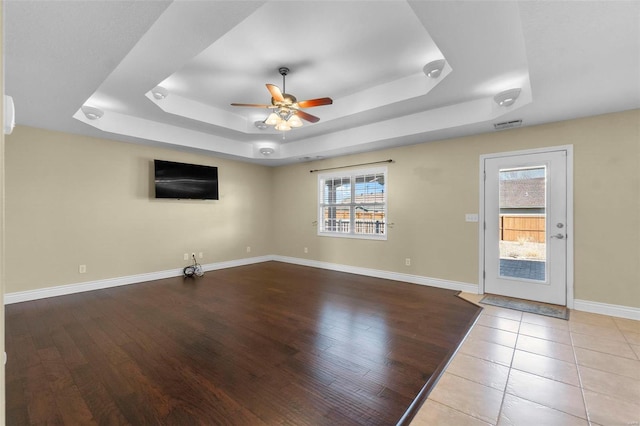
point(186, 256)
point(306, 250)
point(248, 249)
point(407, 261)
point(82, 269)
point(200, 255)
point(193, 255)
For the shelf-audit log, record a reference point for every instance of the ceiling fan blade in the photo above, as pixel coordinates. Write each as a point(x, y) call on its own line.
point(315, 102)
point(306, 116)
point(252, 105)
point(276, 94)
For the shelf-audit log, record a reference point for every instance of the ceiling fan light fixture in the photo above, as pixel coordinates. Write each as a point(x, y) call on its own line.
point(294, 121)
point(434, 68)
point(159, 92)
point(92, 113)
point(507, 97)
point(283, 126)
point(272, 119)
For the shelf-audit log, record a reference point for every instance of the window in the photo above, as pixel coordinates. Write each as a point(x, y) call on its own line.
point(353, 204)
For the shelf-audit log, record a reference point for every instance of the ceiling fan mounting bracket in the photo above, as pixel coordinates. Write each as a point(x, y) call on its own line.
point(283, 71)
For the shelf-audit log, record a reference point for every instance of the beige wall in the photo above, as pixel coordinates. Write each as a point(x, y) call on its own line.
point(2, 225)
point(74, 200)
point(432, 185)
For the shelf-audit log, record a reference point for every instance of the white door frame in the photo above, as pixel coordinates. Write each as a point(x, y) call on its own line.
point(569, 224)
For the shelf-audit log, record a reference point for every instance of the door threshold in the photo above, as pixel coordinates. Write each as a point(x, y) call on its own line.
point(539, 308)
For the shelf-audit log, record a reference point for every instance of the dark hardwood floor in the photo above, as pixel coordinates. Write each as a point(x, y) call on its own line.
point(269, 343)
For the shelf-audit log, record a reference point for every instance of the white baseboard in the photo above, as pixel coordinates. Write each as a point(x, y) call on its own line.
point(397, 276)
point(24, 296)
point(607, 309)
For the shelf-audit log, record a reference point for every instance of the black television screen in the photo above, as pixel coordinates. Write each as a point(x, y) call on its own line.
point(185, 181)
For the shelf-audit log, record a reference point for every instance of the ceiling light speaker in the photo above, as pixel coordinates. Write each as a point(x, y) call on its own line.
point(434, 68)
point(507, 98)
point(261, 125)
point(9, 115)
point(92, 113)
point(267, 151)
point(159, 92)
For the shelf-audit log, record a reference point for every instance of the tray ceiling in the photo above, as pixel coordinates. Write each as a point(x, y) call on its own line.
point(569, 60)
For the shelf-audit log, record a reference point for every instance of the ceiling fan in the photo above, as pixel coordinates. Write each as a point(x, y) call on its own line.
point(286, 108)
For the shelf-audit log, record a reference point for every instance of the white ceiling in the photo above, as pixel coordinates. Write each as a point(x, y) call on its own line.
point(571, 59)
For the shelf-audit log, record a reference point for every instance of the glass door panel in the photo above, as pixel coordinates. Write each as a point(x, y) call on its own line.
point(522, 222)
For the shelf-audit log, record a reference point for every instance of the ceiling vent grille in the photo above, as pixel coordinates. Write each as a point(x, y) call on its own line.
point(507, 124)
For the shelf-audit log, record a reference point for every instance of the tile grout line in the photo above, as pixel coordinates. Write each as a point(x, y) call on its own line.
point(575, 359)
point(511, 368)
point(572, 347)
point(626, 339)
point(504, 392)
point(457, 352)
point(586, 415)
point(460, 411)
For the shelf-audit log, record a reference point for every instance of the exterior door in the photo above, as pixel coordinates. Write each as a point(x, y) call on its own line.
point(525, 226)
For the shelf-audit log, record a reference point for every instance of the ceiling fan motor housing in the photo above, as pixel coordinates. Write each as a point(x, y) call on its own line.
point(288, 100)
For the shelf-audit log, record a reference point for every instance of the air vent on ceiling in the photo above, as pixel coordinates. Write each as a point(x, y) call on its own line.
point(507, 124)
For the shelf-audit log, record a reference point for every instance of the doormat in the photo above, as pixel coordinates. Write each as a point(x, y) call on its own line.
point(555, 311)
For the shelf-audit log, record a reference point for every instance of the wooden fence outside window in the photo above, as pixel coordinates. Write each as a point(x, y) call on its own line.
point(522, 228)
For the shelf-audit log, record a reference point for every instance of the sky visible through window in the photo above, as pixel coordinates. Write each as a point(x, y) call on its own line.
point(343, 192)
point(520, 174)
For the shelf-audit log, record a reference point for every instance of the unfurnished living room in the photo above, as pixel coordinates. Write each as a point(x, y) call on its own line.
point(320, 212)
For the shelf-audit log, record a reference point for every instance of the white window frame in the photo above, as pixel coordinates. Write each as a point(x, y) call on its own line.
point(352, 175)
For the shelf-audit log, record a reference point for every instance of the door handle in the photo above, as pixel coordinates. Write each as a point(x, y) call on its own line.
point(558, 236)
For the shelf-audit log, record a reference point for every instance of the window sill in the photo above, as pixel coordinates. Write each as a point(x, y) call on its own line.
point(353, 236)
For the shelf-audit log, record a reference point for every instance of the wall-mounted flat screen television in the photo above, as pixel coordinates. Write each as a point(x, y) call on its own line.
point(185, 181)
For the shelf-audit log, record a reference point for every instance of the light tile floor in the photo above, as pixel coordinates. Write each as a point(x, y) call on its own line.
point(517, 368)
